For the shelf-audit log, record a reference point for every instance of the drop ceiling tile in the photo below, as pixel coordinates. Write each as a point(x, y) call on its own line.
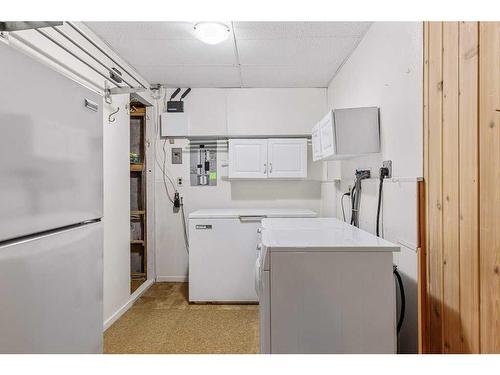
point(143, 30)
point(192, 76)
point(174, 52)
point(285, 76)
point(271, 54)
point(281, 30)
point(297, 52)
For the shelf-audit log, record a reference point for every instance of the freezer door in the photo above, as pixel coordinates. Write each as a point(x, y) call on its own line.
point(51, 293)
point(50, 148)
point(222, 256)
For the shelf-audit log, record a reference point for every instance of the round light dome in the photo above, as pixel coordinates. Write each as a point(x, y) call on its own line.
point(211, 32)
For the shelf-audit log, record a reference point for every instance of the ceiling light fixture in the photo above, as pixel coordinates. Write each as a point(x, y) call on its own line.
point(212, 32)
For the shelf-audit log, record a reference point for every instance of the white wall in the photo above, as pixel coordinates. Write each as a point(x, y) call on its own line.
point(210, 114)
point(116, 142)
point(385, 70)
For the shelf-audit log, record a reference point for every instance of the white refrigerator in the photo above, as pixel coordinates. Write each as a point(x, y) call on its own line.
point(51, 197)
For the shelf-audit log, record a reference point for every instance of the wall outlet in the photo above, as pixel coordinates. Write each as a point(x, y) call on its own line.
point(180, 182)
point(388, 164)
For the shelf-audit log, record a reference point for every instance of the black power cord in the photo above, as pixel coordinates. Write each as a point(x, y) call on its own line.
point(403, 298)
point(384, 172)
point(359, 175)
point(353, 203)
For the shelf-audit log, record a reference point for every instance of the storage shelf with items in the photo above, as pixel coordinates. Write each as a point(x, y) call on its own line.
point(138, 245)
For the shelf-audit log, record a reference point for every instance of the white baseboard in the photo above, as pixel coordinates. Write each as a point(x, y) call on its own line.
point(172, 279)
point(122, 310)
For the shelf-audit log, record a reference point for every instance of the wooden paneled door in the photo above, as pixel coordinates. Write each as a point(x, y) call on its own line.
point(462, 177)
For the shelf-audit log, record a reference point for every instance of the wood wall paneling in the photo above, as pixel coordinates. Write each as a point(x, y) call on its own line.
point(434, 187)
point(462, 177)
point(423, 311)
point(469, 199)
point(450, 189)
point(489, 186)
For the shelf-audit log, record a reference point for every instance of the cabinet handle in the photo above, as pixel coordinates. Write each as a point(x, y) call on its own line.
point(270, 167)
point(265, 168)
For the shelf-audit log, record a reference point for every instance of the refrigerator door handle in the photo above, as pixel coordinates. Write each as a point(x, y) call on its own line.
point(91, 105)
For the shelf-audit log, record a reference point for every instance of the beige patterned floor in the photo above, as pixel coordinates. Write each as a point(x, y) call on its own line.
point(162, 321)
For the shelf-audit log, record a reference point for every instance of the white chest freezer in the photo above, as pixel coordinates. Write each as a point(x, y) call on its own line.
point(223, 252)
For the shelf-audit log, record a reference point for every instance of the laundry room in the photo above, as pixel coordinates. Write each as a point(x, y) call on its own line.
point(278, 186)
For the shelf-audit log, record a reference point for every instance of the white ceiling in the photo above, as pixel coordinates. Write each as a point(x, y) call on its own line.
point(257, 54)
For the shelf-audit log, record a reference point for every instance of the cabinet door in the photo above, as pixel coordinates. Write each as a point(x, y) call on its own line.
point(206, 109)
point(316, 142)
point(273, 111)
point(287, 157)
point(248, 158)
point(327, 135)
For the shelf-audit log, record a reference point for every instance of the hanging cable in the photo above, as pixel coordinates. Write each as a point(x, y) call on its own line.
point(162, 166)
point(164, 175)
point(353, 198)
point(356, 195)
point(342, 203)
point(177, 201)
point(384, 172)
point(403, 298)
point(184, 226)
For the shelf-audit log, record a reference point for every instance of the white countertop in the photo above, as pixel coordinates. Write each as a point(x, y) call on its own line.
point(320, 234)
point(234, 213)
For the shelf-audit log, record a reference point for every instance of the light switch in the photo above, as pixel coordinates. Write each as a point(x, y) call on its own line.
point(176, 155)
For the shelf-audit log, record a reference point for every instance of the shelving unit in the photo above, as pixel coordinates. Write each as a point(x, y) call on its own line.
point(138, 244)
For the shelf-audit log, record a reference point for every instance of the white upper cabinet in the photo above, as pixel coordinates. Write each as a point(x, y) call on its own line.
point(316, 142)
point(287, 157)
point(248, 112)
point(206, 109)
point(248, 158)
point(274, 111)
point(327, 134)
point(268, 158)
point(347, 133)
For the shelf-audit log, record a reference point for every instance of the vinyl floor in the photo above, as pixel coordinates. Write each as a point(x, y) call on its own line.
point(162, 321)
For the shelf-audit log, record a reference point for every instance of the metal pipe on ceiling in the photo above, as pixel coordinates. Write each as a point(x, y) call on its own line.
point(76, 56)
point(89, 54)
point(104, 53)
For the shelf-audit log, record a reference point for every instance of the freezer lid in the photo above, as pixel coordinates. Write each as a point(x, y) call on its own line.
point(235, 213)
point(51, 148)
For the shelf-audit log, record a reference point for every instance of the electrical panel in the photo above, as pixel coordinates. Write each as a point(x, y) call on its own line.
point(203, 166)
